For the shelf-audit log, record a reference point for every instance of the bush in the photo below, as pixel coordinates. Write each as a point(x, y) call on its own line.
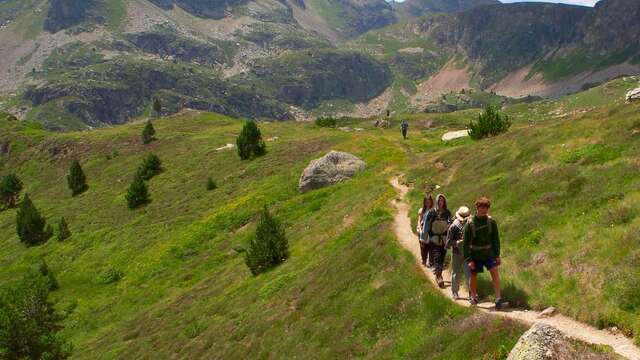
point(31, 227)
point(10, 188)
point(211, 185)
point(148, 133)
point(29, 325)
point(249, 142)
point(137, 194)
point(490, 123)
point(76, 179)
point(326, 122)
point(269, 247)
point(63, 230)
point(157, 107)
point(51, 279)
point(110, 276)
point(150, 167)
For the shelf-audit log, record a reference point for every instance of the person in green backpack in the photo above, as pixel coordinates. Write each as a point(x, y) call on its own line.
point(437, 225)
point(481, 249)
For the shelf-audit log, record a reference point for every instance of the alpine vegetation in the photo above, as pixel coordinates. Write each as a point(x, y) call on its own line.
point(31, 227)
point(490, 123)
point(63, 230)
point(10, 188)
point(148, 133)
point(76, 179)
point(269, 247)
point(150, 167)
point(249, 142)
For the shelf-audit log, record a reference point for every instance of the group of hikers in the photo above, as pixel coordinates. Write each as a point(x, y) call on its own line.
point(473, 240)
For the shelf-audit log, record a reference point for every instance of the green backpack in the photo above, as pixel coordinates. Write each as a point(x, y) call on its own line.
point(473, 228)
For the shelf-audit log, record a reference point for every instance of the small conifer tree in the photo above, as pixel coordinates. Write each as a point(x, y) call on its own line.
point(76, 179)
point(490, 123)
point(31, 227)
point(51, 279)
point(211, 185)
point(10, 188)
point(249, 142)
point(150, 167)
point(138, 193)
point(148, 133)
point(269, 247)
point(157, 107)
point(63, 230)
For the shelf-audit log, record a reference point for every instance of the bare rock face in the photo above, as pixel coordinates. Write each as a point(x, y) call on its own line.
point(330, 169)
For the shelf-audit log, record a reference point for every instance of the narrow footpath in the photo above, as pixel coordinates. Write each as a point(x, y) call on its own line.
point(568, 326)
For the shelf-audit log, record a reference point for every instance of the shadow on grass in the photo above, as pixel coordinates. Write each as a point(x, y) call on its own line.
point(515, 296)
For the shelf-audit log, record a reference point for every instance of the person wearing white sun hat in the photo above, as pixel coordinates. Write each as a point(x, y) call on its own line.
point(454, 242)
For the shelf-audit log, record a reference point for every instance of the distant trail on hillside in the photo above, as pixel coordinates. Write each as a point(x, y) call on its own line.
point(570, 327)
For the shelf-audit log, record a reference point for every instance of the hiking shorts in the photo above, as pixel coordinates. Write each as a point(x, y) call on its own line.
point(489, 264)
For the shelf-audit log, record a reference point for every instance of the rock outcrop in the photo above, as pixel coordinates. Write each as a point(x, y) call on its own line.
point(330, 169)
point(633, 95)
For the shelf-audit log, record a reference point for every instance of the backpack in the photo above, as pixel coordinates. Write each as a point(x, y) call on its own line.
point(439, 227)
point(472, 226)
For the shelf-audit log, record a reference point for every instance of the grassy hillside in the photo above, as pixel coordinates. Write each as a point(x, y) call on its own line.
point(566, 195)
point(169, 279)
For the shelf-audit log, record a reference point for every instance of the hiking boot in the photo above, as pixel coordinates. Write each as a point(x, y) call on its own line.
point(455, 296)
point(473, 301)
point(501, 304)
point(440, 281)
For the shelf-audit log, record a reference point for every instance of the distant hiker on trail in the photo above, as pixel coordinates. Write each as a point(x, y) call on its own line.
point(405, 128)
point(427, 205)
point(481, 249)
point(454, 242)
point(437, 226)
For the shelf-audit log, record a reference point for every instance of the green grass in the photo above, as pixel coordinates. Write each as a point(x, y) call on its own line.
point(566, 196)
point(169, 280)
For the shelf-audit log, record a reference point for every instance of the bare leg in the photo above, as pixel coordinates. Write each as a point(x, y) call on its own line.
point(495, 278)
point(473, 286)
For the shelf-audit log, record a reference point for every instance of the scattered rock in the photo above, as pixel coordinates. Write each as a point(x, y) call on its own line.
point(548, 312)
point(633, 95)
point(5, 148)
point(540, 258)
point(228, 146)
point(330, 169)
point(382, 124)
point(452, 135)
point(537, 343)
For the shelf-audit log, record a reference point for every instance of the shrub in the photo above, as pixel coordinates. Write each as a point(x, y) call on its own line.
point(10, 188)
point(249, 142)
point(137, 194)
point(76, 179)
point(150, 167)
point(148, 133)
point(63, 230)
point(157, 107)
point(211, 185)
point(326, 122)
point(110, 276)
point(29, 326)
point(51, 279)
point(490, 123)
point(31, 227)
point(269, 246)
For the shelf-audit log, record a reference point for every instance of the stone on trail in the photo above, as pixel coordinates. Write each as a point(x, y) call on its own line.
point(548, 312)
point(330, 169)
point(538, 343)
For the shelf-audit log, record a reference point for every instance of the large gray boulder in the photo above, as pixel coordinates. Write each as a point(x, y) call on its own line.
point(332, 168)
point(633, 95)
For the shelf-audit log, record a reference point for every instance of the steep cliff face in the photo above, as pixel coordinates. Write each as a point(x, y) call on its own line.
point(211, 9)
point(64, 14)
point(415, 8)
point(612, 26)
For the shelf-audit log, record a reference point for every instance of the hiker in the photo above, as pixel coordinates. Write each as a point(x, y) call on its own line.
point(438, 221)
point(454, 242)
point(427, 205)
point(481, 249)
point(405, 128)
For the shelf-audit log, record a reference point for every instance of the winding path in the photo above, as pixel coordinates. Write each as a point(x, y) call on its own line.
point(570, 327)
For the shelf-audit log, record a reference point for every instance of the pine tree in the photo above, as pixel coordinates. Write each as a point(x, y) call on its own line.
point(490, 123)
point(29, 325)
point(63, 230)
point(211, 185)
point(76, 179)
point(150, 167)
point(31, 227)
point(157, 107)
point(138, 193)
point(249, 142)
point(10, 188)
point(269, 247)
point(51, 279)
point(148, 133)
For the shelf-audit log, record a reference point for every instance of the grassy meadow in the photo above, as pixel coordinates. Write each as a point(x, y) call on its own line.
point(169, 279)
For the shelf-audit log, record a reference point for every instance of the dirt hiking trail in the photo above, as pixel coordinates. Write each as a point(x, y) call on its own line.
point(568, 326)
